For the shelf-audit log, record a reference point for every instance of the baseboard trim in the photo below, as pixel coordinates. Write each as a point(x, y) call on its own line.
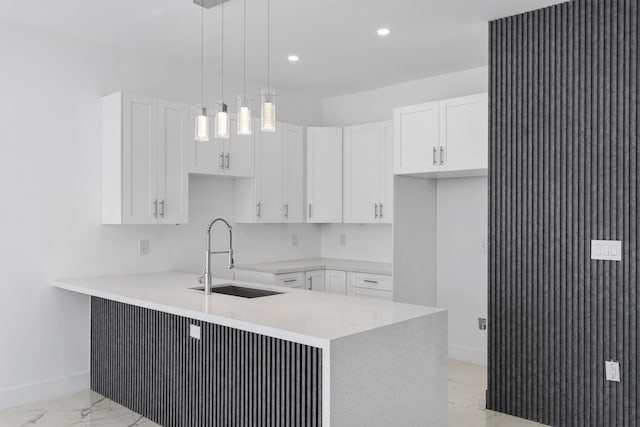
point(30, 393)
point(468, 354)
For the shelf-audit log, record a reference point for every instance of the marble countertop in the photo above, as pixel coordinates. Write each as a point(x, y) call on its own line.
point(306, 317)
point(298, 265)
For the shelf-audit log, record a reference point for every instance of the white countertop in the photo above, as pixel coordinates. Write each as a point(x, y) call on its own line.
point(306, 317)
point(298, 265)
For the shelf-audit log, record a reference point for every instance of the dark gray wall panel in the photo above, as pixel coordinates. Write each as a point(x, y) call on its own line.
point(563, 171)
point(146, 361)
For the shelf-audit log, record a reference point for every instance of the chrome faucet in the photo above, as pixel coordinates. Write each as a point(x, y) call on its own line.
point(205, 279)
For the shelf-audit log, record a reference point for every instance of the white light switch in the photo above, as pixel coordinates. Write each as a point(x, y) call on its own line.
point(608, 250)
point(194, 331)
point(612, 370)
point(143, 247)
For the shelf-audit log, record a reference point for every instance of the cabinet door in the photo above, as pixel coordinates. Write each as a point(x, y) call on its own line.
point(386, 208)
point(239, 153)
point(269, 177)
point(139, 160)
point(173, 182)
point(206, 158)
point(363, 173)
point(336, 282)
point(315, 280)
point(416, 139)
point(293, 173)
point(464, 133)
point(324, 175)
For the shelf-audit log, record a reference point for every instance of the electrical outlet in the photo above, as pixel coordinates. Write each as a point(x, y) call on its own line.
point(143, 247)
point(294, 240)
point(194, 332)
point(612, 370)
point(482, 323)
point(483, 246)
point(343, 240)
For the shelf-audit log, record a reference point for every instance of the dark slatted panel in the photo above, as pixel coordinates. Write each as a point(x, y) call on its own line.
point(563, 171)
point(146, 361)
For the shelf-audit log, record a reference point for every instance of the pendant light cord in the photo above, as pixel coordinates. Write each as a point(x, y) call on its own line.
point(202, 57)
point(222, 53)
point(268, 45)
point(244, 48)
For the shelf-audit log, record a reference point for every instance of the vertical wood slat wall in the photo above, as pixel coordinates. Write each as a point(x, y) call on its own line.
point(146, 361)
point(563, 171)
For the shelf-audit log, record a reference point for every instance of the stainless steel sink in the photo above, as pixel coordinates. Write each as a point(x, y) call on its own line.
point(238, 291)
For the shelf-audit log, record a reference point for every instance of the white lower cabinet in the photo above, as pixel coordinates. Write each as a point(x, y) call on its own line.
point(370, 285)
point(336, 282)
point(315, 280)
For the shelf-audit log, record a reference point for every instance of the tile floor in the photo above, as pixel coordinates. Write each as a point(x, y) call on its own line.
point(467, 384)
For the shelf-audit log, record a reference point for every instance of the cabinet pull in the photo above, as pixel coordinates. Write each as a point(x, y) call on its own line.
point(435, 155)
point(221, 161)
point(309, 210)
point(376, 211)
point(258, 209)
point(162, 208)
point(227, 161)
point(310, 283)
point(375, 282)
point(381, 211)
point(286, 210)
point(290, 280)
point(155, 208)
point(441, 155)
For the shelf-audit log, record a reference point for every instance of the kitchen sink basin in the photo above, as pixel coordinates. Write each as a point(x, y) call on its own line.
point(238, 291)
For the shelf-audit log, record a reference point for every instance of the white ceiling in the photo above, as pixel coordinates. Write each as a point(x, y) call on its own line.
point(336, 40)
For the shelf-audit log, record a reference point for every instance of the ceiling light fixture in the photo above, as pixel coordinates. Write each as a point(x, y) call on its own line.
point(268, 95)
point(244, 109)
point(222, 116)
point(384, 32)
point(293, 58)
point(202, 121)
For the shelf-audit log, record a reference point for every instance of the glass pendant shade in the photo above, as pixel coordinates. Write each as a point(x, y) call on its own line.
point(202, 126)
point(268, 111)
point(244, 116)
point(222, 122)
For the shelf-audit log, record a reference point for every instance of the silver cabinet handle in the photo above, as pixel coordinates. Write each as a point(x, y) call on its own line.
point(375, 282)
point(441, 155)
point(227, 161)
point(286, 210)
point(435, 155)
point(162, 208)
point(258, 209)
point(221, 161)
point(309, 210)
point(380, 210)
point(376, 211)
point(290, 280)
point(310, 283)
point(155, 208)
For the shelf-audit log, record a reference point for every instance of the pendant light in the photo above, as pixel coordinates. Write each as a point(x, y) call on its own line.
point(202, 121)
point(244, 108)
point(221, 123)
point(268, 95)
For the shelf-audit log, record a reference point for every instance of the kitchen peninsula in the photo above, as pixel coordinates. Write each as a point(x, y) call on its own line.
point(298, 358)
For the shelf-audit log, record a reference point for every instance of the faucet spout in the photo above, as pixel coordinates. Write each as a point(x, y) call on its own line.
point(206, 276)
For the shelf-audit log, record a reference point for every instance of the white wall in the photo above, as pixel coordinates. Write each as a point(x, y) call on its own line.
point(461, 206)
point(50, 187)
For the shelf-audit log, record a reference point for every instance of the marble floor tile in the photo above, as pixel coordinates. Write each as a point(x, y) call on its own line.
point(467, 385)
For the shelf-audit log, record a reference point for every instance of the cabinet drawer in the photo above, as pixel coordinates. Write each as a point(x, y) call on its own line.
point(373, 281)
point(373, 293)
point(291, 280)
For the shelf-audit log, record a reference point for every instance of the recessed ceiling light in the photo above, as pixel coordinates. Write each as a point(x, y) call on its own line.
point(384, 32)
point(293, 58)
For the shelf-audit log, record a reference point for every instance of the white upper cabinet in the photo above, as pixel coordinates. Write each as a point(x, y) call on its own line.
point(231, 157)
point(276, 193)
point(445, 138)
point(417, 138)
point(144, 177)
point(368, 176)
point(464, 133)
point(324, 175)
